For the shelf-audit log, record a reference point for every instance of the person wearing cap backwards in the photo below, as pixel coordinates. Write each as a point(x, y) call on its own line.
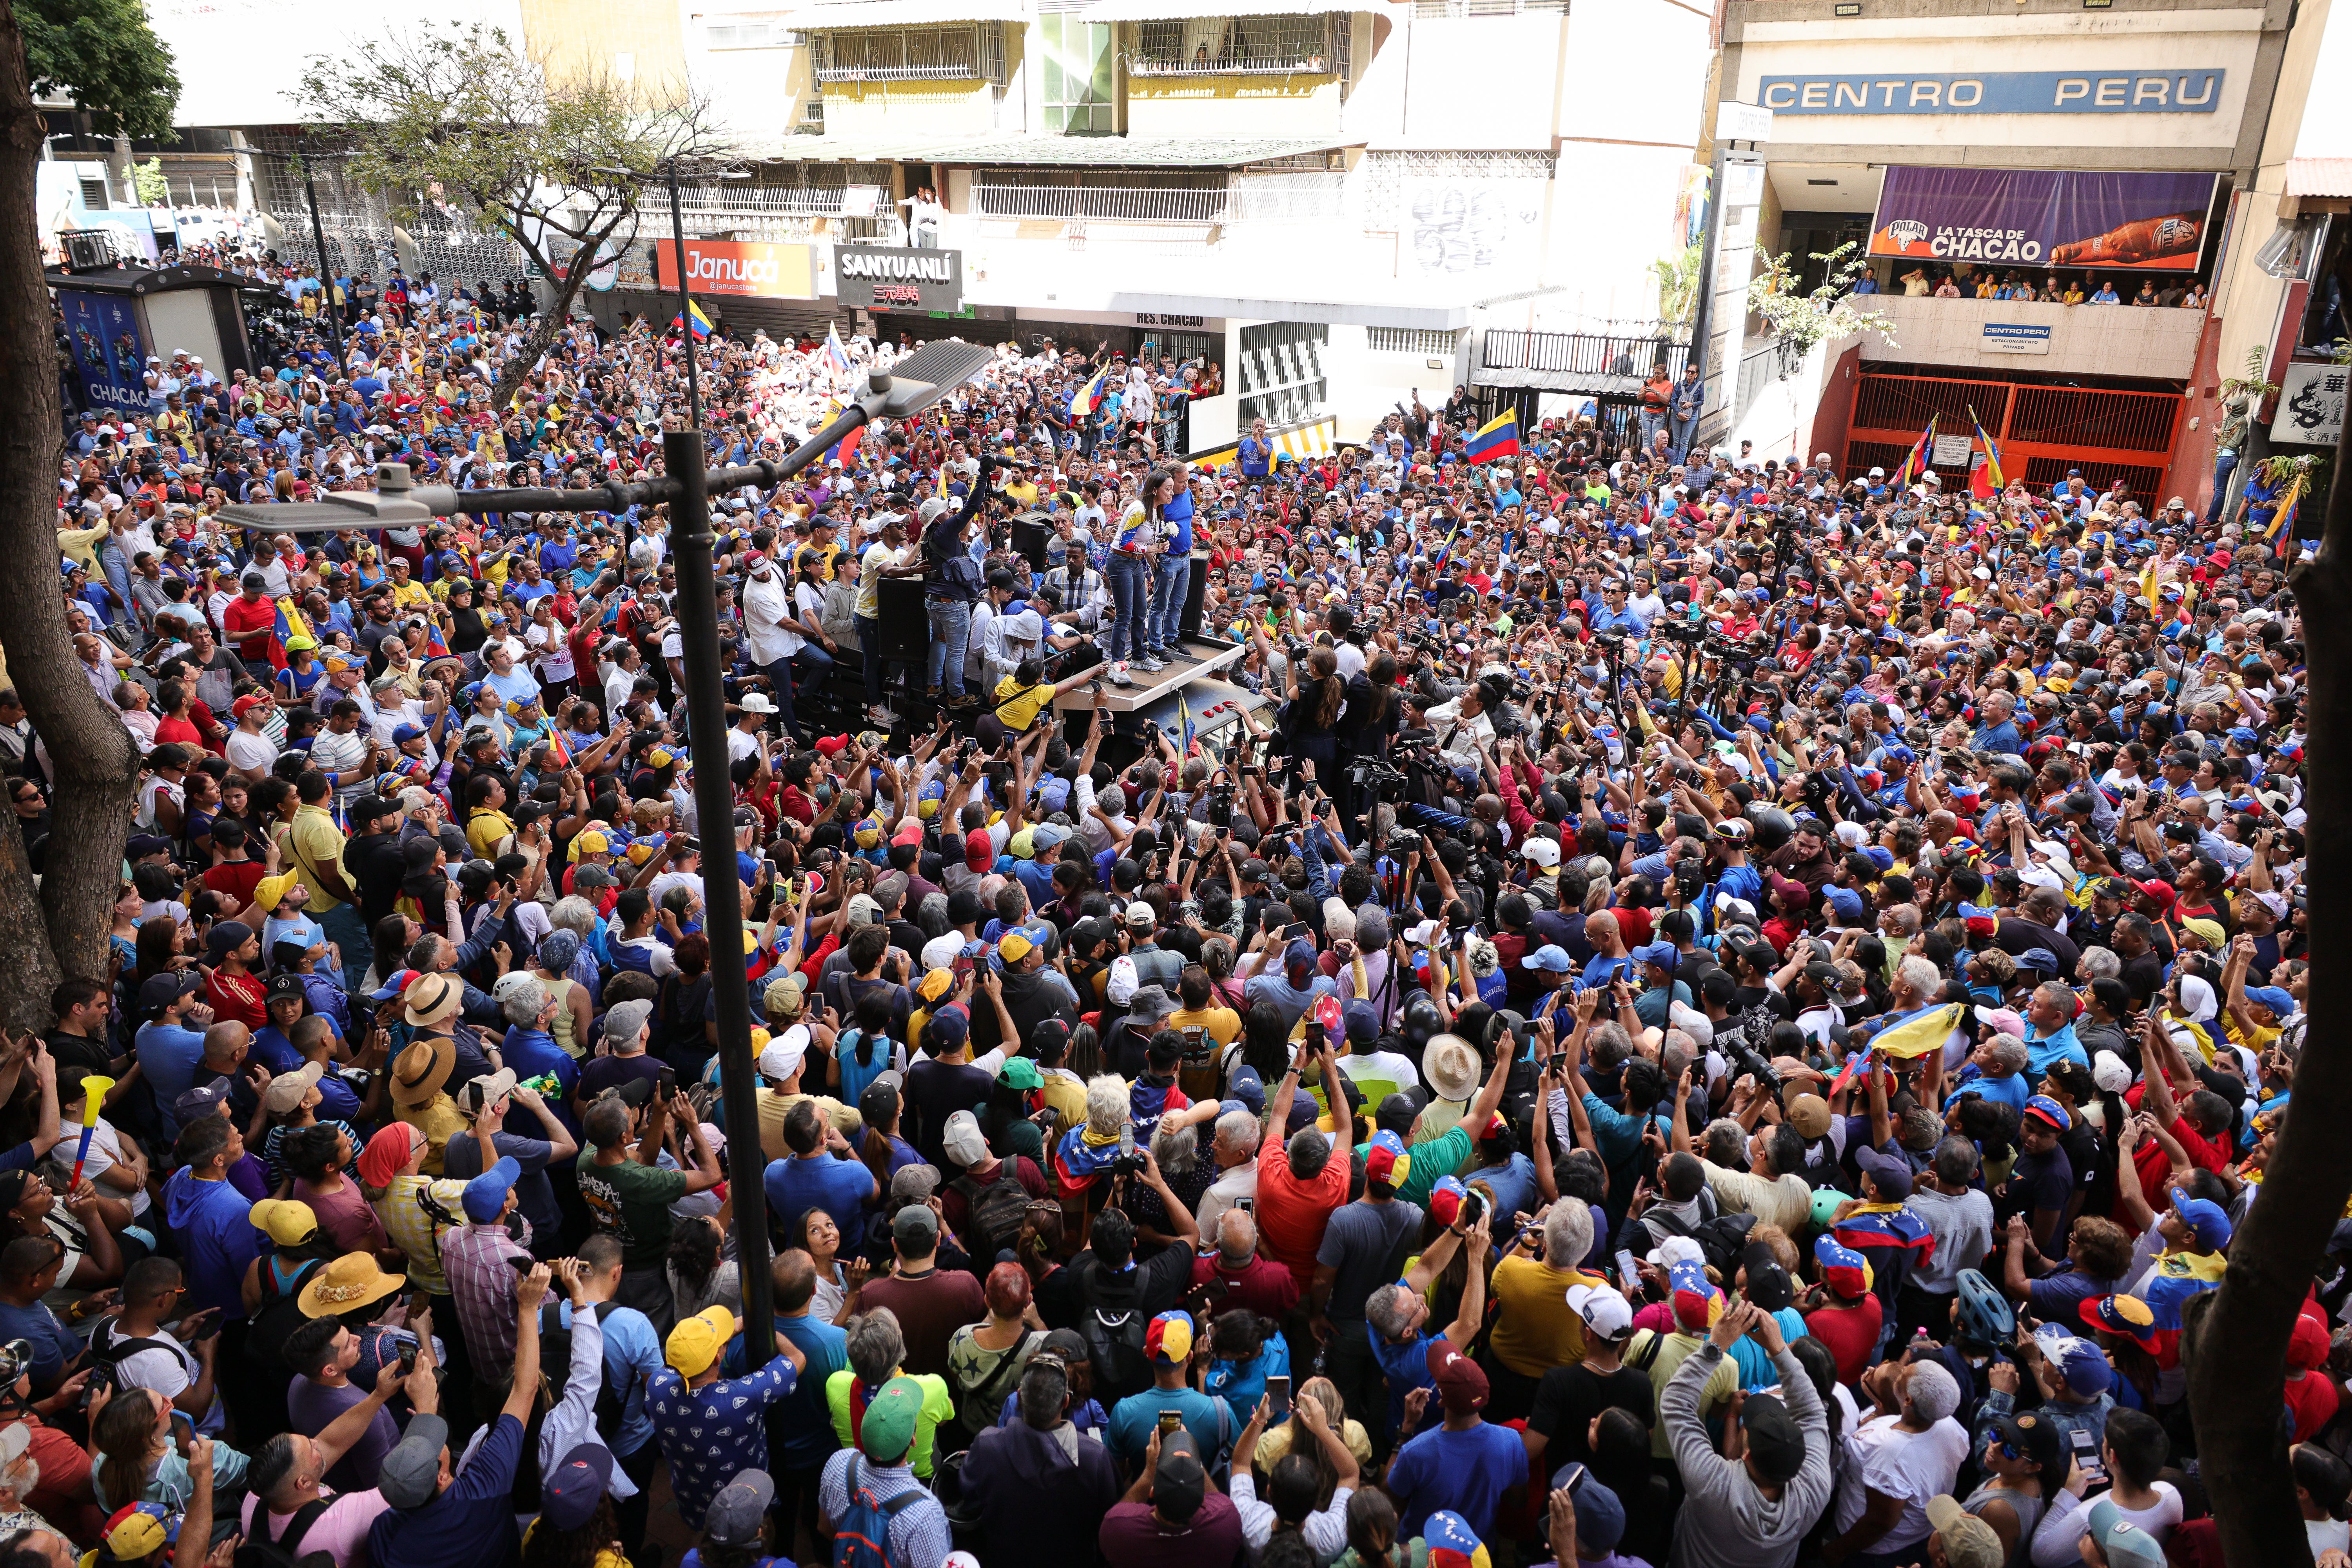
point(1753, 1511)
point(438, 1516)
point(1172, 1516)
point(1465, 1465)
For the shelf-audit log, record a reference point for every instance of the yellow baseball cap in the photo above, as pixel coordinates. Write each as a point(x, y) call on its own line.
point(696, 1343)
point(288, 1222)
point(270, 891)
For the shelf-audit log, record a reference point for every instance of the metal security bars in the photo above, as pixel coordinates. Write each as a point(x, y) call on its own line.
point(911, 54)
point(1230, 46)
point(1128, 196)
point(1422, 340)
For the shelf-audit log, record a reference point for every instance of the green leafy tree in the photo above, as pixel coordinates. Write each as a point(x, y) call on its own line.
point(148, 180)
point(104, 56)
point(460, 122)
point(1803, 320)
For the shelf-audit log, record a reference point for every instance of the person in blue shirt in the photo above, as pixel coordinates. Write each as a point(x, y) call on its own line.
point(800, 1426)
point(1998, 735)
point(211, 1218)
point(1466, 1466)
point(820, 1172)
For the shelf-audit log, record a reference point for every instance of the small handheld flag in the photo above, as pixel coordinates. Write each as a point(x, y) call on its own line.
point(694, 317)
point(1183, 726)
point(1916, 461)
point(1992, 452)
point(1498, 437)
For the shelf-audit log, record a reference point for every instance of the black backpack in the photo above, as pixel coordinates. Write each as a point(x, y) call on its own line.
point(1115, 1338)
point(260, 1552)
point(996, 1212)
point(1721, 1239)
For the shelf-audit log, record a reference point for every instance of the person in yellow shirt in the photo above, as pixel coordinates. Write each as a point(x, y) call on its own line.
point(1021, 696)
point(1536, 1329)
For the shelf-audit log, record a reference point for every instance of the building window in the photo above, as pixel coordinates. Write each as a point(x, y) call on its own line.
point(1280, 375)
point(1411, 340)
point(913, 53)
point(93, 195)
point(1438, 10)
point(1118, 196)
point(1227, 45)
point(1081, 74)
point(747, 35)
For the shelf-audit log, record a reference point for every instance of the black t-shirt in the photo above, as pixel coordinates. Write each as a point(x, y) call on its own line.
point(1568, 1399)
point(2039, 1181)
point(935, 1091)
point(79, 1057)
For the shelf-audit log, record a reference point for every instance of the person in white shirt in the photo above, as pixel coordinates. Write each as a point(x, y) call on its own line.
point(1292, 1486)
point(1909, 1449)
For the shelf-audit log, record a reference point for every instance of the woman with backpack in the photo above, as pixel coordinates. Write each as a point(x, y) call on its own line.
point(985, 1359)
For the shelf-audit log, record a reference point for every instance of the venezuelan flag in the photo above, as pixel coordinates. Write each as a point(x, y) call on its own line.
point(1183, 727)
point(1916, 461)
point(1991, 453)
point(846, 450)
point(1498, 437)
point(1917, 1035)
point(1083, 401)
point(700, 322)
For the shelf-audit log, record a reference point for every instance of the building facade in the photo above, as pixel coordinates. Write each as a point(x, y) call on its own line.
point(2098, 144)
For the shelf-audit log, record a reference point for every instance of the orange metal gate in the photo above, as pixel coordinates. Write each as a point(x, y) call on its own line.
point(2043, 431)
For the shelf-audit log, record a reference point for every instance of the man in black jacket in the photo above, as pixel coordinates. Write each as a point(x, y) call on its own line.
point(951, 586)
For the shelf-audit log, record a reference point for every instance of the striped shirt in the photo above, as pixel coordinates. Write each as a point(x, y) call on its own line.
point(475, 1257)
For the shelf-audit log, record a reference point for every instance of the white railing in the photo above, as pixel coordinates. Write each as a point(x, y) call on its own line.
point(1033, 198)
point(1232, 46)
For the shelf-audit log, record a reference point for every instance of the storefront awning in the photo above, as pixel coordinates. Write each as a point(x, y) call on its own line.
point(2319, 178)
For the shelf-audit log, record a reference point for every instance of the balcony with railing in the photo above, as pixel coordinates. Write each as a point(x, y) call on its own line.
point(2008, 335)
point(1236, 45)
point(1608, 363)
point(910, 54)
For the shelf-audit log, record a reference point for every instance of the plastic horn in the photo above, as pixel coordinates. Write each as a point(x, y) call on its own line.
point(93, 1095)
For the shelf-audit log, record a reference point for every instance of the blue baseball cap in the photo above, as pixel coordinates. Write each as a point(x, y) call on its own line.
point(1845, 902)
point(2274, 997)
point(1662, 953)
point(486, 1195)
point(2204, 1219)
point(1550, 958)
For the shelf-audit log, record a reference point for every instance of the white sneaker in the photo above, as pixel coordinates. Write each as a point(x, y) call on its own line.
point(1152, 661)
point(882, 716)
point(1118, 676)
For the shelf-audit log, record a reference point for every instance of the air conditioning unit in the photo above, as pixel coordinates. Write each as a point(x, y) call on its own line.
point(91, 249)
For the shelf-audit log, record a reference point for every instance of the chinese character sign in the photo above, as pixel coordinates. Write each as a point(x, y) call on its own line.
point(2310, 405)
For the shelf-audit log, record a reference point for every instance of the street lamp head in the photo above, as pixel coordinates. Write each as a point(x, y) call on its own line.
point(929, 373)
point(391, 502)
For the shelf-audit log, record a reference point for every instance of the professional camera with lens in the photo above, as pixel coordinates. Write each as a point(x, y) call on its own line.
point(1681, 631)
point(1404, 841)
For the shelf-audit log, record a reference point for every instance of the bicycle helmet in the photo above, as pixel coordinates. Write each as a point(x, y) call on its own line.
point(1825, 1206)
point(1981, 1316)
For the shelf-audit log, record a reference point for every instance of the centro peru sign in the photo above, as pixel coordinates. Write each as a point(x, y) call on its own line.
point(2194, 92)
point(881, 277)
point(745, 269)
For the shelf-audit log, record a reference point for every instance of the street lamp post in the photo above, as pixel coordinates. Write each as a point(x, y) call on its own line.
point(916, 382)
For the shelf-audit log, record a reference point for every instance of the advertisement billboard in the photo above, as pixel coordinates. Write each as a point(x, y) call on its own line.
point(2037, 218)
point(109, 350)
point(746, 269)
point(885, 278)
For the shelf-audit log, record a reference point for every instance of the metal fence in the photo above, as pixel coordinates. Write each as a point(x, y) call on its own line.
point(1227, 45)
point(910, 54)
point(1075, 195)
point(1602, 355)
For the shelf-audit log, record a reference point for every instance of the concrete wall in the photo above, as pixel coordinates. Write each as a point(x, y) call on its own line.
point(1296, 105)
point(637, 41)
point(758, 95)
point(1900, 38)
point(902, 110)
point(2084, 340)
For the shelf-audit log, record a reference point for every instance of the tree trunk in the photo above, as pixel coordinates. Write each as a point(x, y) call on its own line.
point(94, 762)
point(2235, 1347)
point(541, 337)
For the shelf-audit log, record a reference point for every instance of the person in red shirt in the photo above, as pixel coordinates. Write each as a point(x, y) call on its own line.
point(1843, 1312)
point(234, 990)
point(1300, 1183)
point(236, 874)
point(250, 621)
point(1250, 1282)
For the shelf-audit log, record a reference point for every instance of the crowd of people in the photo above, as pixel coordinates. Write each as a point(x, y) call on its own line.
point(1720, 1014)
point(1965, 282)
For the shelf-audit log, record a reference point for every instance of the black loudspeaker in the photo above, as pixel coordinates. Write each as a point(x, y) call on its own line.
point(906, 625)
point(1029, 537)
point(1189, 623)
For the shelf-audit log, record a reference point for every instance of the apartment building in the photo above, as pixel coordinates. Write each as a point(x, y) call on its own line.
point(1331, 205)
